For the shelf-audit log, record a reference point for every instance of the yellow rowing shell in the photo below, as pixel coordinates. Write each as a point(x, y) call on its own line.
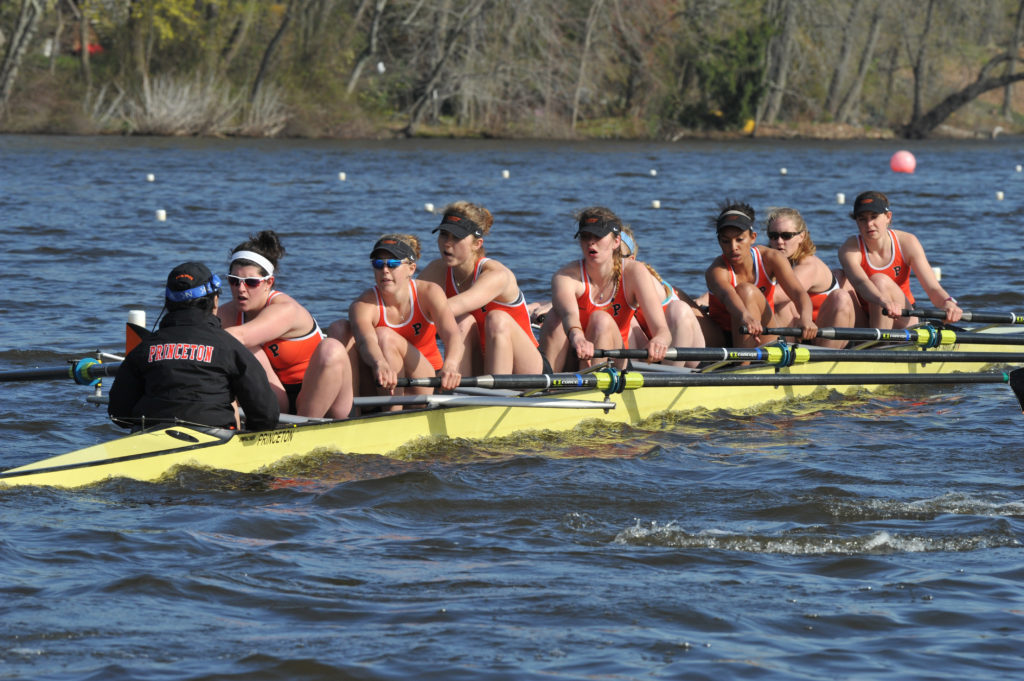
point(150, 455)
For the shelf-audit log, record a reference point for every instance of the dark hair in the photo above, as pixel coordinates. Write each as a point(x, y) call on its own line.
point(733, 204)
point(267, 244)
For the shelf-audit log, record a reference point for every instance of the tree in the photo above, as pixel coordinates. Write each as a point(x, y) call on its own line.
point(28, 19)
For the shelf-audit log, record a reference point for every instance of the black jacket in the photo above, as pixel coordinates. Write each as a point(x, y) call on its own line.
point(191, 370)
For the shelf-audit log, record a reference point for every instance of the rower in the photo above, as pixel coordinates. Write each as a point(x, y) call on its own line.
point(395, 324)
point(680, 310)
point(595, 298)
point(310, 378)
point(191, 370)
point(742, 283)
point(484, 296)
point(833, 299)
point(878, 262)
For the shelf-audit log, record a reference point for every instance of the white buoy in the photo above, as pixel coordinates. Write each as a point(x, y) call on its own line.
point(1019, 167)
point(342, 176)
point(782, 171)
point(840, 198)
point(150, 177)
point(137, 317)
point(429, 207)
point(938, 273)
point(654, 173)
point(381, 68)
point(655, 203)
point(999, 196)
point(161, 215)
point(505, 174)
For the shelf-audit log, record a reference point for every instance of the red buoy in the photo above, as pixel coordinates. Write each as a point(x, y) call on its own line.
point(903, 162)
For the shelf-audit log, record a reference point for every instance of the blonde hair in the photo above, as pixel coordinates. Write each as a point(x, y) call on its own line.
point(471, 211)
point(806, 246)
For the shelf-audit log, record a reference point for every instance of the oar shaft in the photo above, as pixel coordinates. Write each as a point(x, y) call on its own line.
point(1009, 318)
point(904, 335)
point(803, 353)
point(90, 371)
point(633, 380)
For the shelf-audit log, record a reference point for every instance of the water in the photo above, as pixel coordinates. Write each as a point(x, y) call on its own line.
point(867, 537)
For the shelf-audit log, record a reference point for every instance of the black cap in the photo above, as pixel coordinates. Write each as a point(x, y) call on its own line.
point(874, 202)
point(458, 226)
point(395, 247)
point(189, 281)
point(598, 226)
point(734, 218)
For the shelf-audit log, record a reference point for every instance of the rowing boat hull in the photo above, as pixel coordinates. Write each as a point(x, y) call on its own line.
point(148, 456)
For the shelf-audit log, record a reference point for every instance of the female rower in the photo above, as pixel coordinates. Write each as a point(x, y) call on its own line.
point(878, 262)
point(677, 306)
point(396, 323)
point(310, 378)
point(596, 297)
point(833, 299)
point(742, 283)
point(483, 295)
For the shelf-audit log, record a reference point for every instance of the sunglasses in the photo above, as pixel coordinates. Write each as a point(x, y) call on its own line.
point(785, 236)
point(250, 282)
point(390, 263)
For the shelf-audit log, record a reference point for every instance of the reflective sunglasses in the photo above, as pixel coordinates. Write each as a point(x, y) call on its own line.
point(785, 236)
point(390, 263)
point(250, 282)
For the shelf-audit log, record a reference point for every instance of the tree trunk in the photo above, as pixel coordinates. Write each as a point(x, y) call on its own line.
point(451, 40)
point(921, 64)
point(83, 42)
point(271, 48)
point(1012, 65)
point(779, 66)
point(843, 63)
point(921, 126)
point(238, 35)
point(588, 37)
point(371, 46)
point(846, 106)
point(28, 19)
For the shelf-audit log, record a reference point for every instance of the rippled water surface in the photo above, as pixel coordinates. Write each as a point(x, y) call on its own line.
point(847, 537)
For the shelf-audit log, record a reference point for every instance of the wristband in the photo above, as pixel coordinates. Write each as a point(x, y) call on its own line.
point(951, 299)
point(574, 327)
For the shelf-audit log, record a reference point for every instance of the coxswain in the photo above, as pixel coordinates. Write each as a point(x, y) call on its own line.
point(190, 370)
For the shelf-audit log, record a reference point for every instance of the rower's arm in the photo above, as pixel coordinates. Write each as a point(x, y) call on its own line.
point(778, 265)
point(720, 285)
point(493, 280)
point(850, 259)
point(363, 314)
point(649, 294)
point(913, 251)
point(564, 290)
point(276, 320)
point(435, 304)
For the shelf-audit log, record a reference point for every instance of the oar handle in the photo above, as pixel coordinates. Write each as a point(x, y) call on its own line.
point(1009, 318)
point(86, 371)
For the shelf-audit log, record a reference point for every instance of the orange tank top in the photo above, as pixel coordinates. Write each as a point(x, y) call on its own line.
point(897, 269)
point(618, 307)
point(289, 357)
point(417, 329)
point(516, 309)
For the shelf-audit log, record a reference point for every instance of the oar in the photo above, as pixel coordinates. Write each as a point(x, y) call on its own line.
point(800, 354)
point(926, 337)
point(1010, 318)
point(84, 372)
point(615, 381)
